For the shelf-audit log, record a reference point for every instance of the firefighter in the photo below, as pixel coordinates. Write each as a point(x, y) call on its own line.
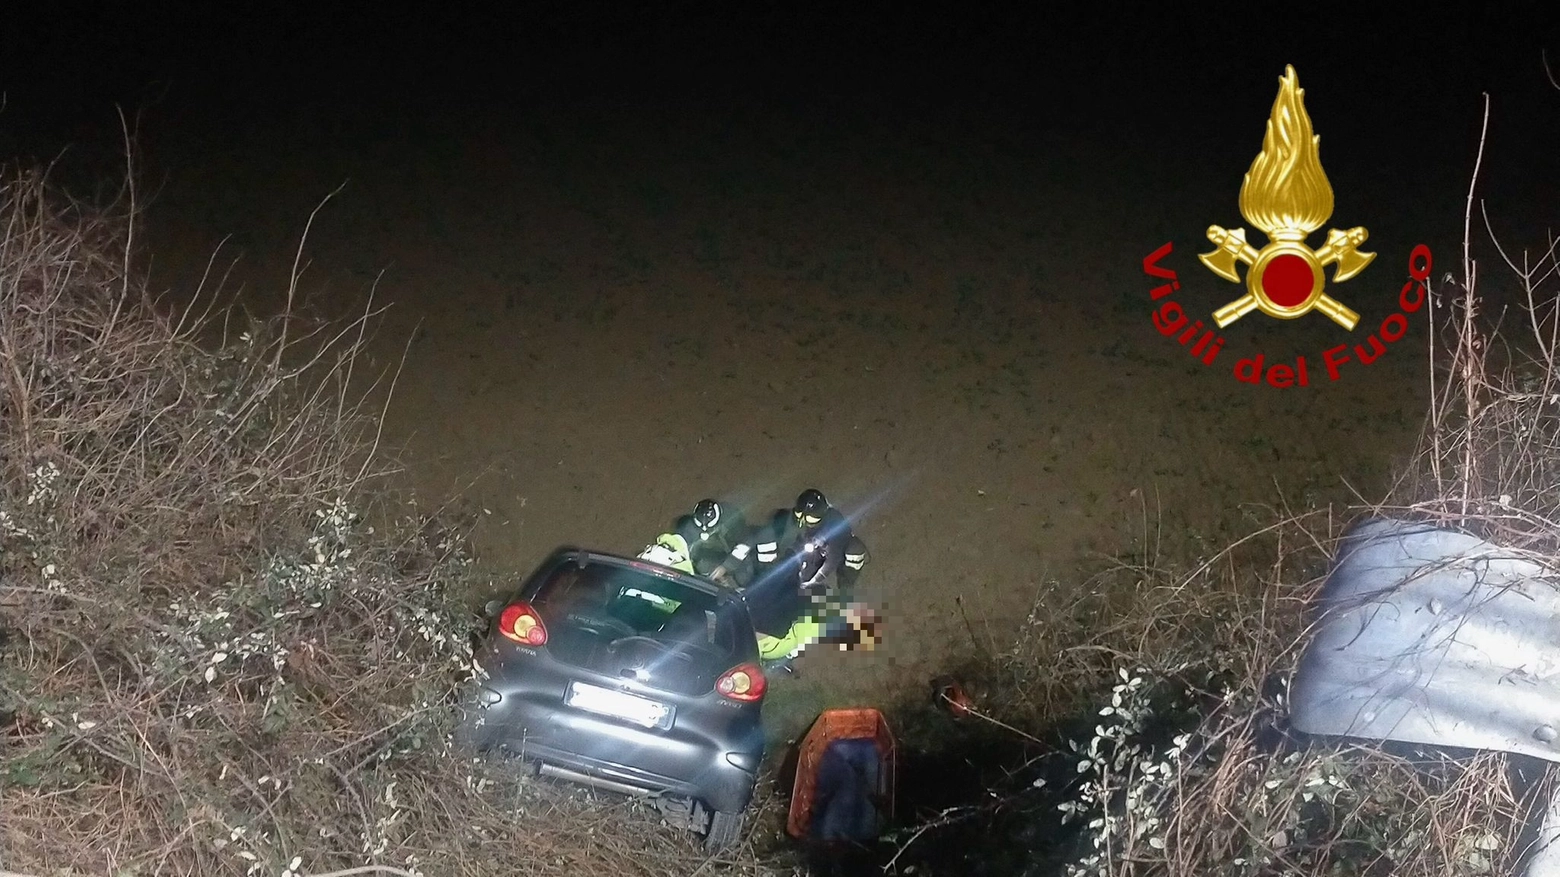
point(787, 606)
point(777, 543)
point(793, 606)
point(713, 531)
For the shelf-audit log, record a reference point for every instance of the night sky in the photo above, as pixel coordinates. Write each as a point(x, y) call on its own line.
point(1141, 82)
point(1160, 106)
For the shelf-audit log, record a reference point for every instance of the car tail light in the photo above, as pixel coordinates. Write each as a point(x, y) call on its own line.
point(520, 623)
point(744, 682)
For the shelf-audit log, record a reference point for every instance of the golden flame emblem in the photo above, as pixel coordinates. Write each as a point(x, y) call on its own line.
point(1286, 195)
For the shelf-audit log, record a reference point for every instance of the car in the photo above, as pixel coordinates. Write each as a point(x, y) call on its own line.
point(628, 676)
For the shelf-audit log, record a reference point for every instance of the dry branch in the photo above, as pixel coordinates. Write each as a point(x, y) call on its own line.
point(210, 662)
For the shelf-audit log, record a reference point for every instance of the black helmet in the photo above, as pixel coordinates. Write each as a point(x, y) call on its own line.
point(810, 506)
point(706, 515)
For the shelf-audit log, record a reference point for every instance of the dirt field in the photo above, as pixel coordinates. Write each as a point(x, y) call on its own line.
point(605, 328)
point(930, 305)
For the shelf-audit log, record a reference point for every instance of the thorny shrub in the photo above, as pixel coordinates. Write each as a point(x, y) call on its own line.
point(1231, 795)
point(210, 662)
point(1159, 707)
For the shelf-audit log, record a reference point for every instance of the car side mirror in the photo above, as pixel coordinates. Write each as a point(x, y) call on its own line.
point(491, 608)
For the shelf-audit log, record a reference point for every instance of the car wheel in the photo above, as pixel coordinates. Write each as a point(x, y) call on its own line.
point(725, 829)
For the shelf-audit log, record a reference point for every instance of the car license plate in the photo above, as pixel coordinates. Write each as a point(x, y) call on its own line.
point(630, 708)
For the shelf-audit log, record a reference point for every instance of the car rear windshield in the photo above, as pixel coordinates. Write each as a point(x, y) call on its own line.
point(619, 601)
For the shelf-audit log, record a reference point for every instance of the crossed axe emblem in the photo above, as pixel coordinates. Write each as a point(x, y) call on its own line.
point(1285, 278)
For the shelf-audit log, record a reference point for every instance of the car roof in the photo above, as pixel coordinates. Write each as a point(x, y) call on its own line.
point(698, 583)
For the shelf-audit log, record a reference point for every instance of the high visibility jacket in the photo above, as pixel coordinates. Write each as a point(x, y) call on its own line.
point(792, 641)
point(669, 549)
point(833, 624)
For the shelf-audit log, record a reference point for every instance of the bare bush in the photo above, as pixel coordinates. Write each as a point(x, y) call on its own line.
point(1190, 768)
point(1157, 703)
point(212, 663)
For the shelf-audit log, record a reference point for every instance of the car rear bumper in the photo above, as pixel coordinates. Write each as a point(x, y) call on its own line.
point(599, 751)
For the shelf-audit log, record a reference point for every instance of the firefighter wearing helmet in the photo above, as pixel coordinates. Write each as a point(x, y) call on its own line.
point(713, 530)
point(790, 594)
point(794, 606)
point(812, 517)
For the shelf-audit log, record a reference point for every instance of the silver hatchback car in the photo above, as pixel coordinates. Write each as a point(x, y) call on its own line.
point(628, 676)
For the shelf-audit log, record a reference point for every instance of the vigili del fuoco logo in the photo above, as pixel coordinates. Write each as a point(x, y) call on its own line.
point(1286, 196)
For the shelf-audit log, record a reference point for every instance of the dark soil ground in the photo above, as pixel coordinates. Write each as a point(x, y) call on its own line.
point(952, 340)
point(927, 301)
